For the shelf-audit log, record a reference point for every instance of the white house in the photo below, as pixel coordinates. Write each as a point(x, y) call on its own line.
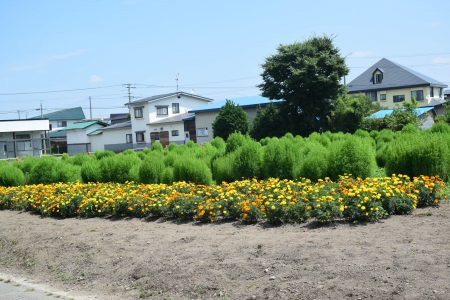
point(161, 118)
point(116, 137)
point(23, 138)
point(78, 136)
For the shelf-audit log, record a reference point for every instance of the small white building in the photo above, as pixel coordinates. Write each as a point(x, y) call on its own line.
point(116, 137)
point(161, 118)
point(23, 138)
point(78, 139)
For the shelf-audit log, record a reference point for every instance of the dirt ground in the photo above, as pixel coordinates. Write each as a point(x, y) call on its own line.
point(403, 257)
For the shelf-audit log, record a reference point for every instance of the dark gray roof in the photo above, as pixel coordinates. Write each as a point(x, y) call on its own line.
point(120, 125)
point(74, 113)
point(177, 118)
point(394, 76)
point(162, 96)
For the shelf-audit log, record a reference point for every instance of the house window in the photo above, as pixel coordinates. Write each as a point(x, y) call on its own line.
point(50, 127)
point(417, 95)
point(129, 138)
point(383, 97)
point(138, 112)
point(24, 136)
point(431, 91)
point(175, 108)
point(202, 131)
point(377, 78)
point(399, 98)
point(62, 124)
point(162, 110)
point(372, 96)
point(140, 136)
point(440, 92)
point(175, 133)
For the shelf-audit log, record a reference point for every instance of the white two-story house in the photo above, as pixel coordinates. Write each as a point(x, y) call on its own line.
point(163, 118)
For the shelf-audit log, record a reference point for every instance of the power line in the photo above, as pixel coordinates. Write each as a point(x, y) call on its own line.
point(399, 56)
point(59, 91)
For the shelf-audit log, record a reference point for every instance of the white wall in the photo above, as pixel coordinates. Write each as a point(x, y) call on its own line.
point(55, 124)
point(80, 136)
point(186, 104)
point(169, 127)
point(108, 137)
point(24, 125)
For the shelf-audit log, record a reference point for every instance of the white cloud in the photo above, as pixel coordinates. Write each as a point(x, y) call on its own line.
point(44, 61)
point(361, 54)
point(441, 60)
point(95, 78)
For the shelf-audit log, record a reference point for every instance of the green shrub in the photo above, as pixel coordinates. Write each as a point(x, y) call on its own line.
point(222, 169)
point(27, 163)
point(279, 159)
point(167, 175)
point(50, 170)
point(10, 175)
point(192, 170)
point(118, 168)
point(234, 141)
point(157, 146)
point(80, 158)
point(151, 170)
point(219, 143)
point(90, 171)
point(247, 160)
point(103, 154)
point(315, 163)
point(440, 127)
point(410, 128)
point(354, 156)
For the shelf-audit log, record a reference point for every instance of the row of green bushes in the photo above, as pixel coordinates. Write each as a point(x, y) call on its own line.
point(363, 154)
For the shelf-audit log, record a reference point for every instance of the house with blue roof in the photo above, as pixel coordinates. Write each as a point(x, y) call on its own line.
point(426, 114)
point(205, 115)
point(391, 84)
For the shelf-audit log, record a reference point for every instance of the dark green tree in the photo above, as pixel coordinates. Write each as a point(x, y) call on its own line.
point(307, 76)
point(231, 118)
point(268, 123)
point(350, 111)
point(402, 116)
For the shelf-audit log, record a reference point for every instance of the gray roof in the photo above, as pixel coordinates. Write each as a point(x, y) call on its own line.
point(162, 96)
point(126, 124)
point(394, 76)
point(74, 113)
point(174, 119)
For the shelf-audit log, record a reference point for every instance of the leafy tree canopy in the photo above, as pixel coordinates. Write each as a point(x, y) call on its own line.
point(231, 118)
point(307, 76)
point(268, 123)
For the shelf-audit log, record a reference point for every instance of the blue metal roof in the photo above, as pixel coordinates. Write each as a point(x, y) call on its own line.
point(250, 101)
point(386, 112)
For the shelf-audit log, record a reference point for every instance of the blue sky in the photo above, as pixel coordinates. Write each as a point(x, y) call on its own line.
point(217, 47)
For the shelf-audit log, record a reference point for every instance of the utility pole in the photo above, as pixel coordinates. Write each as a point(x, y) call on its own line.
point(177, 79)
point(90, 107)
point(18, 112)
point(129, 86)
point(41, 111)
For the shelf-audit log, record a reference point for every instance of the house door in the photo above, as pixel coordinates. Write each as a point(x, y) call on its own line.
point(154, 136)
point(164, 138)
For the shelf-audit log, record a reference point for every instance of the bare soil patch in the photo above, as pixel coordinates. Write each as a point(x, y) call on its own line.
point(403, 257)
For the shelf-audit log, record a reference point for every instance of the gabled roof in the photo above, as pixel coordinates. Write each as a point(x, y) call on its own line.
point(394, 76)
point(386, 112)
point(74, 113)
point(121, 125)
point(244, 102)
point(58, 134)
point(83, 125)
point(163, 96)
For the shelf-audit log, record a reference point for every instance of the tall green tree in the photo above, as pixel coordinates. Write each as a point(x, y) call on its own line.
point(231, 118)
point(307, 76)
point(268, 123)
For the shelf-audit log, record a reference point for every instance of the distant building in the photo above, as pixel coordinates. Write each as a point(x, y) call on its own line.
point(24, 138)
point(205, 115)
point(59, 120)
point(78, 136)
point(161, 118)
point(117, 137)
point(427, 115)
point(391, 84)
point(119, 118)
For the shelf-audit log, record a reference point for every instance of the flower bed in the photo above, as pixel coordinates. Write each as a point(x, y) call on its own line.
point(274, 200)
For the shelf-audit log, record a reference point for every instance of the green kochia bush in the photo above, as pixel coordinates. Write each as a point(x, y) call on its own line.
point(52, 170)
point(280, 158)
point(423, 154)
point(90, 171)
point(119, 168)
point(315, 163)
point(10, 175)
point(192, 170)
point(151, 170)
point(352, 156)
point(222, 169)
point(247, 160)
